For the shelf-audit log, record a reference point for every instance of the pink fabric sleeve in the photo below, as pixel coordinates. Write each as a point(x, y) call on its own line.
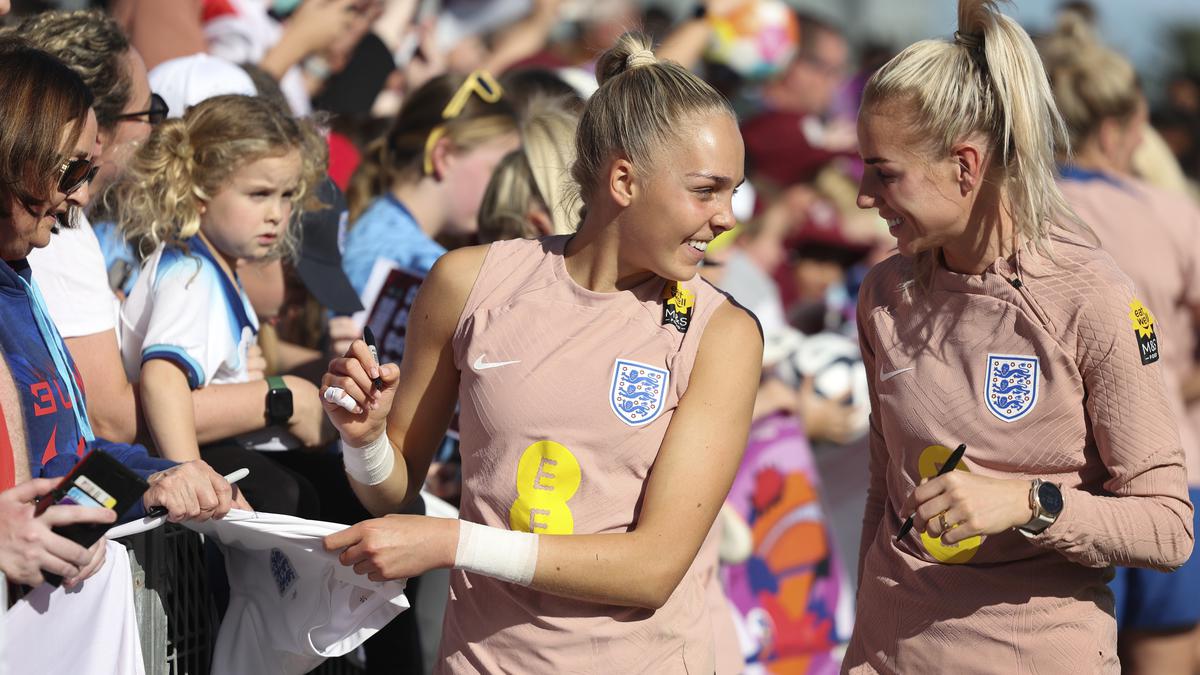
point(877, 494)
point(1148, 523)
point(877, 486)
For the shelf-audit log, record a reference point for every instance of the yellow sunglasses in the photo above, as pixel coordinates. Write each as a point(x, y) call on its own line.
point(480, 83)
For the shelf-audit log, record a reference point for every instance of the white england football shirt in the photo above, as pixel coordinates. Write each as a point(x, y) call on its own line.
point(186, 310)
point(292, 604)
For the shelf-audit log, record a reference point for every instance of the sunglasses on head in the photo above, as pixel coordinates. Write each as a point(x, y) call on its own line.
point(157, 113)
point(480, 83)
point(74, 173)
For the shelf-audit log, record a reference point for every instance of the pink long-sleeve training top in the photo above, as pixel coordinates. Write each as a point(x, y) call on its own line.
point(1046, 366)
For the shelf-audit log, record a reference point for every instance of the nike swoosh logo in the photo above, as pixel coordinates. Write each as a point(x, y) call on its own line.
point(481, 365)
point(884, 377)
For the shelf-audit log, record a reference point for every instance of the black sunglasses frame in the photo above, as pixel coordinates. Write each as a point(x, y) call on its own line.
point(157, 114)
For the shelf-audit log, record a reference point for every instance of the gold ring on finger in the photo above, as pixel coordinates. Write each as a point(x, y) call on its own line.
point(942, 522)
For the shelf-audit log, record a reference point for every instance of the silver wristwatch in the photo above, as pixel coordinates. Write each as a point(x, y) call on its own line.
point(1047, 502)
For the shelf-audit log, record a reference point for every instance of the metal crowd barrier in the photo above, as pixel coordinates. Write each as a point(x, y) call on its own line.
point(176, 609)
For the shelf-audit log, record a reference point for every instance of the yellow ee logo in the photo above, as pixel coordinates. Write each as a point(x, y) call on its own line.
point(548, 475)
point(931, 460)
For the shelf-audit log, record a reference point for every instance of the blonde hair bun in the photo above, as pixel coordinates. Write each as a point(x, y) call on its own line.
point(633, 50)
point(1091, 82)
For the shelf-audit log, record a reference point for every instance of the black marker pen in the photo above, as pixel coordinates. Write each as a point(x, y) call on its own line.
point(949, 466)
point(369, 338)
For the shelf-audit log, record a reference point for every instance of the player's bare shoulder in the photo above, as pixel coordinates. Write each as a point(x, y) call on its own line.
point(452, 276)
point(733, 328)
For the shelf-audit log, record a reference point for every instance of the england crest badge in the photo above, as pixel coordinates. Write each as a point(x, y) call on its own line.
point(637, 391)
point(283, 571)
point(1011, 385)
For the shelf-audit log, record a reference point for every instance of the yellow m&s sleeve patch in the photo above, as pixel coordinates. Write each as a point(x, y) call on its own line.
point(1143, 329)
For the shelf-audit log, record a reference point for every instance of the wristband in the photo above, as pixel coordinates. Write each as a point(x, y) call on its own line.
point(372, 463)
point(494, 552)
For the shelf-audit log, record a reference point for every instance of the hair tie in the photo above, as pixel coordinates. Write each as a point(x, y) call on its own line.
point(184, 151)
point(642, 57)
point(971, 42)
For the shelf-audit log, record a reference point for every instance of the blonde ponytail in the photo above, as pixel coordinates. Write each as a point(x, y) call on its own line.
point(536, 175)
point(988, 80)
point(164, 194)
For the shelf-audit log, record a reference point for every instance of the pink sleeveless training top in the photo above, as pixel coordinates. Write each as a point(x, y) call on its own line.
point(566, 395)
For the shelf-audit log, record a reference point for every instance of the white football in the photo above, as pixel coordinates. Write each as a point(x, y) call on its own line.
point(834, 364)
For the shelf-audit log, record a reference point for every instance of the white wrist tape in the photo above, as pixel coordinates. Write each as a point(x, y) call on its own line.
point(371, 464)
point(500, 554)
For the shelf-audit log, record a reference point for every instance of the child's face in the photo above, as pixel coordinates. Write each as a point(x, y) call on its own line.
point(246, 219)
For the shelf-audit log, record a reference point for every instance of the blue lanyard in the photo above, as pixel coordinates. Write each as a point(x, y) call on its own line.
point(58, 352)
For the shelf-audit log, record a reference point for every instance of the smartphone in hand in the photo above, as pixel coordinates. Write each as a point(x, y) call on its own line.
point(97, 480)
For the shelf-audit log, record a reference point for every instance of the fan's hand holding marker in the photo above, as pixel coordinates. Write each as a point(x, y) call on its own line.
point(230, 478)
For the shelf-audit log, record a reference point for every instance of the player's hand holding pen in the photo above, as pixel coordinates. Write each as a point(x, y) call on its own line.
point(957, 505)
point(357, 392)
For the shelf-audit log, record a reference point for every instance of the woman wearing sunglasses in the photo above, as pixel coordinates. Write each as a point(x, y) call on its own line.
point(71, 273)
point(47, 134)
point(27, 544)
point(47, 143)
point(605, 391)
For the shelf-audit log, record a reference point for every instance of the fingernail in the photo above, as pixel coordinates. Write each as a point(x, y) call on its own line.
point(374, 372)
point(358, 410)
